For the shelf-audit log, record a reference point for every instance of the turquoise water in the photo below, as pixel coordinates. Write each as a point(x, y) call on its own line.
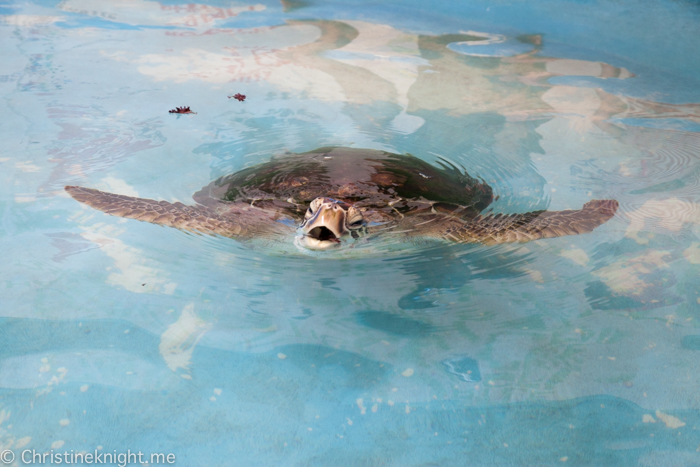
point(118, 335)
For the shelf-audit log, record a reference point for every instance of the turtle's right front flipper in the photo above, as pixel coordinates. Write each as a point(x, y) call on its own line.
point(240, 221)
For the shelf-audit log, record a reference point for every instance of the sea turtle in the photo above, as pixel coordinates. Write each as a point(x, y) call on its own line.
point(331, 197)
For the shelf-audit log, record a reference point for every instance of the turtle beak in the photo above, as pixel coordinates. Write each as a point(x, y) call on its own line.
point(326, 225)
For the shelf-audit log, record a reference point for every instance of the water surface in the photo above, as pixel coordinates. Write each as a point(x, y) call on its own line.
point(124, 335)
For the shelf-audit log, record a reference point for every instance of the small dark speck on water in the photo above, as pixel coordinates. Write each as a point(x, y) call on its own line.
point(181, 110)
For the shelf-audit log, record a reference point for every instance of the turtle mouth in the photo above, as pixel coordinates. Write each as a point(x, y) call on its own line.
point(323, 234)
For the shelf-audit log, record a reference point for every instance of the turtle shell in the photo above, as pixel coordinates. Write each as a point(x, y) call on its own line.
point(365, 178)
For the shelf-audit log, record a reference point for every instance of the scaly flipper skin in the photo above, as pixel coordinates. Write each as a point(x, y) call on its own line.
point(512, 228)
point(237, 221)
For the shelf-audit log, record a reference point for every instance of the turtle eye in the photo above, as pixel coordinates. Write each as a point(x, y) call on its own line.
point(314, 206)
point(355, 219)
point(355, 222)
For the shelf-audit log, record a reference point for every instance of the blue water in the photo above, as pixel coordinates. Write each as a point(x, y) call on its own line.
point(118, 335)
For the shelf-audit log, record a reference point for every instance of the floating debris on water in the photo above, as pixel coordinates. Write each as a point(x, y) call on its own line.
point(182, 110)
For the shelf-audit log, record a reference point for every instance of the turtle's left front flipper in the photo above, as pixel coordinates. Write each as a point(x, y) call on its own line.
point(236, 221)
point(511, 228)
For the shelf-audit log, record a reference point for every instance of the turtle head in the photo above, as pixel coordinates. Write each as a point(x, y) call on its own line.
point(328, 220)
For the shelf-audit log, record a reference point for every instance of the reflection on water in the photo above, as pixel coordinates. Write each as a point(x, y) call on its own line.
point(126, 335)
